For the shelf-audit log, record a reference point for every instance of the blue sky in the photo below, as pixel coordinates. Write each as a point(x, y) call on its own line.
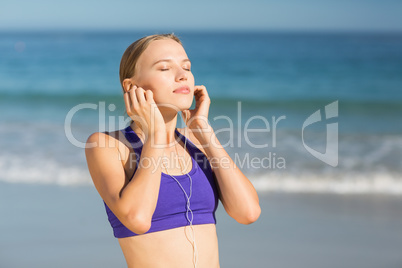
point(366, 15)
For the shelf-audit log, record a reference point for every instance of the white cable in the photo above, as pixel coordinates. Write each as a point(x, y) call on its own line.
point(188, 209)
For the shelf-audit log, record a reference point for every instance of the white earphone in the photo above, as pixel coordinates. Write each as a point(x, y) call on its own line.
point(188, 209)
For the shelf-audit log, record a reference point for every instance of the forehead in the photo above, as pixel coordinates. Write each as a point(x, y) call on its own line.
point(162, 49)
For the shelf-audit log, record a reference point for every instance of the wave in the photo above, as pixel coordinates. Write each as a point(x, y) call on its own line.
point(48, 171)
point(375, 183)
point(45, 171)
point(343, 183)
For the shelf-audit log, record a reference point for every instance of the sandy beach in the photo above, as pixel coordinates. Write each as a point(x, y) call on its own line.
point(53, 226)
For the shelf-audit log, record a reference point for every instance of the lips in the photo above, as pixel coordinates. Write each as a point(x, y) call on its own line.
point(182, 90)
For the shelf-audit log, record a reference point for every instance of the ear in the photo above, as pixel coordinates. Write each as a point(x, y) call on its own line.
point(128, 83)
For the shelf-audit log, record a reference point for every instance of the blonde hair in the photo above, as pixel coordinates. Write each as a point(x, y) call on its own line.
point(134, 51)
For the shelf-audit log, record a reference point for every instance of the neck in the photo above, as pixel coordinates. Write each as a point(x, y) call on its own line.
point(170, 123)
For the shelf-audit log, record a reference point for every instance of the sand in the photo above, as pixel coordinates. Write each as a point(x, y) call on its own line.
point(59, 226)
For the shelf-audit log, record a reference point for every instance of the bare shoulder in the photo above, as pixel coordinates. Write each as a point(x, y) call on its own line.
point(109, 141)
point(112, 139)
point(110, 162)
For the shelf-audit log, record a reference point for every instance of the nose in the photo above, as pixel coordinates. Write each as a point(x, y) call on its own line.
point(181, 74)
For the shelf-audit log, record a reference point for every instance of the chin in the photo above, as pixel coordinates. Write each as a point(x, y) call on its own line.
point(174, 107)
point(184, 105)
point(176, 104)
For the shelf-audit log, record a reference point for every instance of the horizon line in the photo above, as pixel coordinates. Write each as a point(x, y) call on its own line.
point(203, 30)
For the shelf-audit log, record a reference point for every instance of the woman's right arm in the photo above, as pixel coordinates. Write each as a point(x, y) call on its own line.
point(132, 202)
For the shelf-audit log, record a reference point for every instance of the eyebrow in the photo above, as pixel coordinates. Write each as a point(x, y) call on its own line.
point(168, 60)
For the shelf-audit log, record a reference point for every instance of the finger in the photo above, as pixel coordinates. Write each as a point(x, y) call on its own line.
point(149, 96)
point(133, 97)
point(202, 100)
point(201, 95)
point(203, 108)
point(200, 91)
point(140, 93)
point(127, 102)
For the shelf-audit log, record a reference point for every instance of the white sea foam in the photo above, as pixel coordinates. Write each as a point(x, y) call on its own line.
point(346, 183)
point(42, 171)
point(48, 171)
point(368, 163)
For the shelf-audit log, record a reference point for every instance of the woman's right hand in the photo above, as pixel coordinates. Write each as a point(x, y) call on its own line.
point(142, 109)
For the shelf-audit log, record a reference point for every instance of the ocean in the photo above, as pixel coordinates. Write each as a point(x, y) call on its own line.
point(56, 88)
point(313, 119)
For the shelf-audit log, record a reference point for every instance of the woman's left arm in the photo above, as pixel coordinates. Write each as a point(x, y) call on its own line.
point(237, 193)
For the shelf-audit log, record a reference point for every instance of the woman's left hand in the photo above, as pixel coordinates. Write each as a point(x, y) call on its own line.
point(197, 119)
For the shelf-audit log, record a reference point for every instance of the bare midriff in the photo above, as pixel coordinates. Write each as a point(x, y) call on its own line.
point(172, 248)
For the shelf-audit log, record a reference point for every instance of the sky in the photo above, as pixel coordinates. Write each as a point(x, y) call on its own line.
point(331, 15)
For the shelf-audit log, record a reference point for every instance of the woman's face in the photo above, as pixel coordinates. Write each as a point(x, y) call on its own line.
point(165, 69)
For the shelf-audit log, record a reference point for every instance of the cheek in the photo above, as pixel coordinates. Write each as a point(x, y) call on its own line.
point(158, 96)
point(191, 80)
point(156, 83)
point(160, 88)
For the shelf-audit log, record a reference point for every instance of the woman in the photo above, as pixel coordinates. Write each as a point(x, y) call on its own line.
point(161, 185)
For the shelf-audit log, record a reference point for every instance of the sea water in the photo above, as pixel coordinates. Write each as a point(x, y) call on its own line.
point(56, 88)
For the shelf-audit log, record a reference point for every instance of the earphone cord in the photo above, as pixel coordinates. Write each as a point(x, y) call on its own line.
point(188, 209)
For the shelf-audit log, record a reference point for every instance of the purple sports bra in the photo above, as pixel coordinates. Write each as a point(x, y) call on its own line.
point(170, 211)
